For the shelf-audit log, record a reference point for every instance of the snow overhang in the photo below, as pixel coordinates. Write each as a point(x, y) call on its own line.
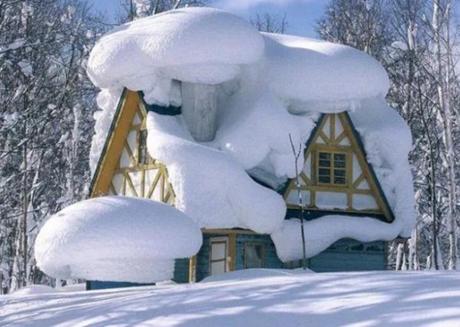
point(197, 45)
point(116, 239)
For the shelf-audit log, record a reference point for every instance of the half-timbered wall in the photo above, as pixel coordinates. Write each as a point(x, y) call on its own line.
point(137, 173)
point(336, 175)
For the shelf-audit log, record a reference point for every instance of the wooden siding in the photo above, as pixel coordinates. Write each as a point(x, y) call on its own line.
point(181, 270)
point(343, 255)
point(202, 258)
point(99, 285)
point(270, 259)
point(348, 255)
point(237, 241)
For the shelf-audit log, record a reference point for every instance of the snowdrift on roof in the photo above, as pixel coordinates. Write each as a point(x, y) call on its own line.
point(211, 188)
point(194, 45)
point(269, 88)
point(116, 239)
point(205, 45)
point(327, 76)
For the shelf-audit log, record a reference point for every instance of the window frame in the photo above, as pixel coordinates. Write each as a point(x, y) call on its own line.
point(332, 168)
point(253, 243)
point(226, 259)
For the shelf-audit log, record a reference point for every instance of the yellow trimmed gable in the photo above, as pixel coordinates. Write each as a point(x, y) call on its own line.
point(125, 167)
point(336, 176)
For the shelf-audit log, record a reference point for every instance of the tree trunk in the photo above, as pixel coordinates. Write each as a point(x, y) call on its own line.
point(443, 88)
point(24, 217)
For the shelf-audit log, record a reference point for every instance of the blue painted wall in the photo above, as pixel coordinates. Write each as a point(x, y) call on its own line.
point(181, 270)
point(350, 255)
point(271, 260)
point(343, 255)
point(202, 258)
point(99, 285)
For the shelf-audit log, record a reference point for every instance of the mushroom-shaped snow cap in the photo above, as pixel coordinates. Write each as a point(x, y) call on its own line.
point(322, 73)
point(199, 45)
point(116, 239)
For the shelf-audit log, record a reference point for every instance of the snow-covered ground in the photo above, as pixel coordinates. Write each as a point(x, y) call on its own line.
point(278, 299)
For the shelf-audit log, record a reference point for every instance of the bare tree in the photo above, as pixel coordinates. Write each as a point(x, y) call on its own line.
point(270, 23)
point(297, 153)
point(44, 92)
point(414, 40)
point(132, 9)
point(441, 32)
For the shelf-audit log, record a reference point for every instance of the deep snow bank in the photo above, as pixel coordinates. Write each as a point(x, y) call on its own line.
point(254, 273)
point(116, 239)
point(384, 299)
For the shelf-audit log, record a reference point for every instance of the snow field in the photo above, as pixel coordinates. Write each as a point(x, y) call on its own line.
point(328, 299)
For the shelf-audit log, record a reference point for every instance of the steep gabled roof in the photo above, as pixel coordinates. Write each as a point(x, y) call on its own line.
point(336, 133)
point(119, 170)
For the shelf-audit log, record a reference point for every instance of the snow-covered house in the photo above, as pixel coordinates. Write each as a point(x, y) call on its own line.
point(198, 110)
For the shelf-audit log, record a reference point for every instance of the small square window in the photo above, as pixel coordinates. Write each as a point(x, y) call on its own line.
point(253, 255)
point(332, 168)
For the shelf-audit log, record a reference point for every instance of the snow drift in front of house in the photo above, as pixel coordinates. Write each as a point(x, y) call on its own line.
point(271, 299)
point(269, 87)
point(254, 273)
point(116, 239)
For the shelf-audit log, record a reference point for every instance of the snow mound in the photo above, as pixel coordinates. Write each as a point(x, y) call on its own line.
point(254, 129)
point(387, 140)
point(389, 299)
point(330, 75)
point(116, 239)
point(34, 290)
point(210, 187)
point(80, 287)
point(255, 273)
point(324, 231)
point(210, 46)
point(107, 101)
point(194, 44)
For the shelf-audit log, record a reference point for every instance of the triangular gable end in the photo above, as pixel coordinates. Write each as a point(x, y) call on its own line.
point(125, 167)
point(336, 176)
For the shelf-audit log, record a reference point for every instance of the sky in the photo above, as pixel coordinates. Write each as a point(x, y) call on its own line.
point(301, 15)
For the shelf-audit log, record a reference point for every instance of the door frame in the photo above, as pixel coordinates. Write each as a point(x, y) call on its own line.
point(217, 240)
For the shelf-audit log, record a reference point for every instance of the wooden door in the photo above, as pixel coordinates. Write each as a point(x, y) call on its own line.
point(218, 263)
